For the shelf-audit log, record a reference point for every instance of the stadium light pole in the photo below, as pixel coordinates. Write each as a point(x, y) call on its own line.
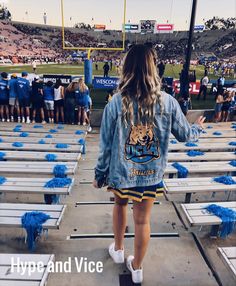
point(184, 80)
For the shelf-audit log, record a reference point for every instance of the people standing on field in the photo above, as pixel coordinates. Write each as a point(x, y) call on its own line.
point(13, 100)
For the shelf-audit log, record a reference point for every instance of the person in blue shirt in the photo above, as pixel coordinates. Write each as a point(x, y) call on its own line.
point(13, 100)
point(48, 96)
point(23, 95)
point(4, 97)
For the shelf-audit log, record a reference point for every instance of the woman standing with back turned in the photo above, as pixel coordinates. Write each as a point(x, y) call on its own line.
point(134, 139)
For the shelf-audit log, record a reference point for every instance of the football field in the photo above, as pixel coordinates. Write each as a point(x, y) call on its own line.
point(78, 69)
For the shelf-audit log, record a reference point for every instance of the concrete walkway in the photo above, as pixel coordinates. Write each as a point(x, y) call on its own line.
point(170, 261)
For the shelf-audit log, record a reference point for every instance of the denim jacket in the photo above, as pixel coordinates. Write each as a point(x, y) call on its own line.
point(136, 156)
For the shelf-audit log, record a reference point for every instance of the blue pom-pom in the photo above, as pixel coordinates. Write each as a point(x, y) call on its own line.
point(182, 171)
point(48, 136)
point(53, 131)
point(41, 141)
point(228, 217)
point(2, 155)
point(38, 126)
point(226, 180)
point(217, 133)
point(2, 180)
point(60, 127)
point(32, 222)
point(233, 143)
point(51, 157)
point(191, 144)
point(79, 132)
point(59, 171)
point(17, 144)
point(18, 126)
point(194, 153)
point(82, 142)
point(209, 127)
point(204, 132)
point(173, 141)
point(62, 145)
point(17, 129)
point(1, 140)
point(58, 183)
point(233, 163)
point(24, 134)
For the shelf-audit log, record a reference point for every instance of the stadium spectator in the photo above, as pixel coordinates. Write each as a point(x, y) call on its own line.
point(13, 100)
point(221, 82)
point(23, 95)
point(82, 102)
point(106, 69)
point(218, 105)
point(59, 101)
point(48, 95)
point(226, 105)
point(4, 97)
point(203, 86)
point(161, 68)
point(70, 102)
point(37, 99)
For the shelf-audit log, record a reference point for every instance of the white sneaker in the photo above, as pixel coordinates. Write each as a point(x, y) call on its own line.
point(18, 119)
point(8, 120)
point(28, 121)
point(84, 124)
point(3, 120)
point(12, 119)
point(137, 275)
point(23, 120)
point(44, 122)
point(118, 256)
point(52, 120)
point(89, 129)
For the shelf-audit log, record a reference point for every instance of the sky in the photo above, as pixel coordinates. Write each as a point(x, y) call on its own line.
point(110, 12)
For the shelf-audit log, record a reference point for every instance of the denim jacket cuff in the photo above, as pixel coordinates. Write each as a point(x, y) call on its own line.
point(101, 178)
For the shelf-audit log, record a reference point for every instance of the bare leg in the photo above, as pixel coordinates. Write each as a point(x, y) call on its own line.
point(27, 111)
point(119, 221)
point(34, 114)
point(62, 114)
point(1, 112)
point(57, 114)
point(7, 111)
point(141, 214)
point(42, 114)
point(79, 114)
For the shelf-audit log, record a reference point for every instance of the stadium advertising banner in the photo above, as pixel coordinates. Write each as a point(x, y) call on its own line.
point(193, 89)
point(164, 28)
point(199, 28)
point(99, 27)
point(132, 28)
point(105, 82)
point(65, 79)
point(147, 26)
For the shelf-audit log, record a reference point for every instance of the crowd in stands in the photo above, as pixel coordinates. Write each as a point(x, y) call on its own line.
point(217, 23)
point(22, 101)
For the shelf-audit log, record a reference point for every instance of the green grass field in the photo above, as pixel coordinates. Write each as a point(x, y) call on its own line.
point(78, 69)
point(99, 96)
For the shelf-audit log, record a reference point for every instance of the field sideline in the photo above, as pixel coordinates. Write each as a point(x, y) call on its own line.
point(78, 69)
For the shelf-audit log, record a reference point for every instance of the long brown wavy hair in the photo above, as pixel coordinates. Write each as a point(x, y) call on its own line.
point(140, 83)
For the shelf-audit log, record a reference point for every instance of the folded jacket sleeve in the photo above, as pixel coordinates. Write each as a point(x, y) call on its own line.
point(106, 139)
point(180, 126)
